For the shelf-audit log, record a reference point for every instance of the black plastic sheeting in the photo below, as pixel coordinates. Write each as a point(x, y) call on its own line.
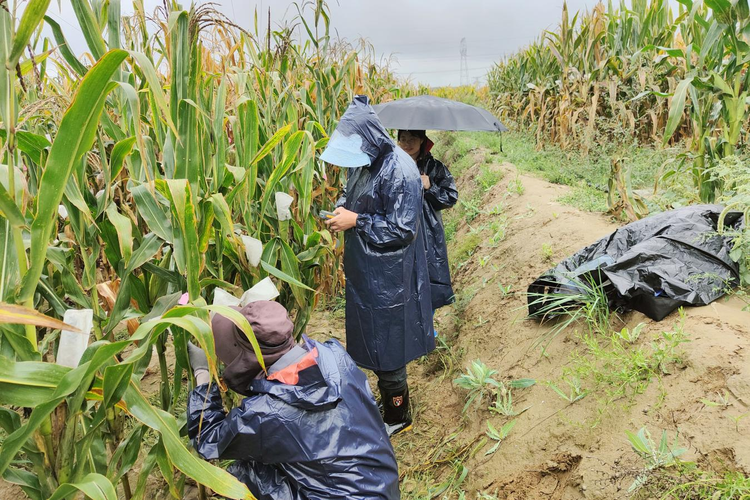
point(388, 299)
point(321, 438)
point(654, 265)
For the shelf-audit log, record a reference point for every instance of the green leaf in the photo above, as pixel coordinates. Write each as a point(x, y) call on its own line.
point(290, 266)
point(152, 212)
point(291, 147)
point(283, 276)
point(521, 383)
point(183, 211)
point(165, 424)
point(124, 227)
point(676, 108)
point(119, 152)
point(92, 32)
point(9, 209)
point(116, 380)
point(28, 383)
point(33, 13)
point(75, 136)
point(94, 486)
point(148, 248)
point(64, 47)
point(149, 72)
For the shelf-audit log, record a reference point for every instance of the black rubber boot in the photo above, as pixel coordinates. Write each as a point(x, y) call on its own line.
point(396, 414)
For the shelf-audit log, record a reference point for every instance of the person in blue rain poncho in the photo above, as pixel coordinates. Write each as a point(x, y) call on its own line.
point(309, 428)
point(388, 301)
point(440, 193)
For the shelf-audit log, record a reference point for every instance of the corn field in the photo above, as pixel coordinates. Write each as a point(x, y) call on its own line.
point(158, 166)
point(639, 72)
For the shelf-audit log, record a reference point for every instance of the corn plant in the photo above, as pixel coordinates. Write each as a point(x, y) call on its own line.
point(639, 70)
point(176, 157)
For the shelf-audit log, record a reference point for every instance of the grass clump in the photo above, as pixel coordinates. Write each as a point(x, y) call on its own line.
point(464, 249)
point(585, 198)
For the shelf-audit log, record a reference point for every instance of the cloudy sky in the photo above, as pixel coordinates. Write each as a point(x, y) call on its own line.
point(422, 36)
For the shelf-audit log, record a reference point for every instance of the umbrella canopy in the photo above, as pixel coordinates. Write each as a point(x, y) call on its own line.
point(427, 112)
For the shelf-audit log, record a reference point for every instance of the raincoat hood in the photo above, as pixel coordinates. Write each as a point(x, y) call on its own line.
point(359, 134)
point(318, 388)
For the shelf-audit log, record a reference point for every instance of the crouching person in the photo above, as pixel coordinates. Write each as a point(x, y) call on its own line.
point(309, 429)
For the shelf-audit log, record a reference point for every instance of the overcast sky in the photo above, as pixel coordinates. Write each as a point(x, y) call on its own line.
point(422, 36)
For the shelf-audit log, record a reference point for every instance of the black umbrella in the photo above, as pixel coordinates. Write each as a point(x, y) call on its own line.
point(427, 112)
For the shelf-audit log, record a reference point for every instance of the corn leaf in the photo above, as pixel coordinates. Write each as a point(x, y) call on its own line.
point(94, 486)
point(33, 13)
point(165, 424)
point(75, 136)
point(20, 315)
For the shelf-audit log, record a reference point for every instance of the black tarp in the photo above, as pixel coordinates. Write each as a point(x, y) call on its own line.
point(654, 265)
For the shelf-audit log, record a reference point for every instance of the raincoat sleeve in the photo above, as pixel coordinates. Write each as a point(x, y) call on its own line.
point(398, 226)
point(442, 193)
point(219, 435)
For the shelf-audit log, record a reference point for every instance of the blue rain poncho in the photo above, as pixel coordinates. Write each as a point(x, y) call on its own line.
point(388, 299)
point(322, 438)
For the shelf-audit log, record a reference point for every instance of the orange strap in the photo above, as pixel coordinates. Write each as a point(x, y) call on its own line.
point(290, 374)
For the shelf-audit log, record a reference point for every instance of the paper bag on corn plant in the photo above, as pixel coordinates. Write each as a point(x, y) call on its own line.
point(283, 202)
point(263, 290)
point(253, 250)
point(73, 344)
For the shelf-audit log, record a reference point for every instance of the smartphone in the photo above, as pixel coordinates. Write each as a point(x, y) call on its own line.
point(325, 215)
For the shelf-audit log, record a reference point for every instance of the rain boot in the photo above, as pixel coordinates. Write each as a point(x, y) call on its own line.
point(396, 414)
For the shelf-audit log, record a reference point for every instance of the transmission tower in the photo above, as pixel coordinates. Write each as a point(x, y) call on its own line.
point(464, 64)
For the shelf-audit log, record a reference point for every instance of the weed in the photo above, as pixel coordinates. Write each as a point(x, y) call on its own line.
point(631, 336)
point(505, 289)
point(547, 253)
point(479, 381)
point(498, 435)
point(575, 391)
point(582, 300)
point(722, 400)
point(585, 198)
point(515, 186)
point(656, 457)
point(488, 177)
point(736, 419)
point(465, 248)
point(484, 260)
point(504, 397)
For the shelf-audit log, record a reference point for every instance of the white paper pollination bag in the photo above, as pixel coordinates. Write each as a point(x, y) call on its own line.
point(253, 249)
point(283, 202)
point(262, 290)
point(73, 344)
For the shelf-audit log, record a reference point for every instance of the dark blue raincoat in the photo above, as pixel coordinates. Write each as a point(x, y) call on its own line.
point(441, 195)
point(320, 439)
point(388, 304)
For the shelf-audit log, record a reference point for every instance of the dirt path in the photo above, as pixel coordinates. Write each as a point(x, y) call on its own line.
point(559, 450)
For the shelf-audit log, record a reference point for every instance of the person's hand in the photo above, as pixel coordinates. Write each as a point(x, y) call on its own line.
point(345, 219)
point(199, 364)
point(426, 181)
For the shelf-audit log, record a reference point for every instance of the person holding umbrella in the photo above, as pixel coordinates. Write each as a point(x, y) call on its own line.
point(411, 117)
point(439, 193)
point(388, 299)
